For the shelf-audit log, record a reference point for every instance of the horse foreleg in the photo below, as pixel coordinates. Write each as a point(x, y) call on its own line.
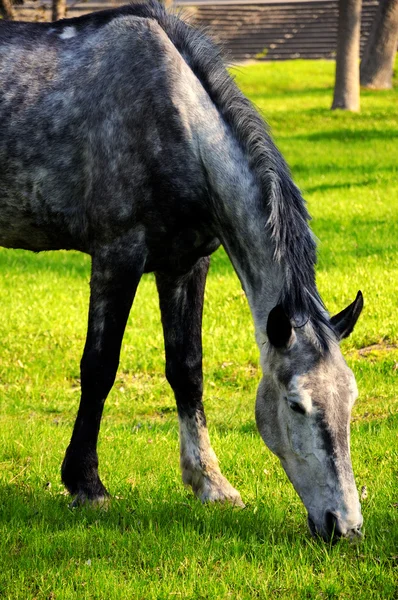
point(181, 304)
point(114, 280)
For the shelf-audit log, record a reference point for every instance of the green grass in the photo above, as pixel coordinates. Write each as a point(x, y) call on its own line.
point(156, 541)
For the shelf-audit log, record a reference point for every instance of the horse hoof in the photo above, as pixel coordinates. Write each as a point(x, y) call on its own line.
point(221, 497)
point(220, 491)
point(233, 500)
point(82, 499)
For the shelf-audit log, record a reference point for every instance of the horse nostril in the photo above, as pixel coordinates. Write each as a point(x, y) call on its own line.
point(332, 525)
point(355, 534)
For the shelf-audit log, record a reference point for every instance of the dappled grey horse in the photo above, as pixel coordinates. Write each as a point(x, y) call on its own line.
point(123, 136)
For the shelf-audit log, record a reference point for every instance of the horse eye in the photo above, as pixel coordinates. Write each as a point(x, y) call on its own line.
point(297, 408)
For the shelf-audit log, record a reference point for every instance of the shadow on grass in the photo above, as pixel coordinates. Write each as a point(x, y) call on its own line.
point(348, 135)
point(327, 187)
point(351, 170)
point(274, 93)
point(382, 242)
point(23, 509)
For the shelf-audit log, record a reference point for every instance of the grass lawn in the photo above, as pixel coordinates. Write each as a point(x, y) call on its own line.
point(155, 540)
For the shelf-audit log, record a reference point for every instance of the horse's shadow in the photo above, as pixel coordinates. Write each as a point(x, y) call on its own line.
point(21, 508)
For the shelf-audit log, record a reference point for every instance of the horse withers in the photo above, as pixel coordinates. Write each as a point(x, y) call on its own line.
point(122, 135)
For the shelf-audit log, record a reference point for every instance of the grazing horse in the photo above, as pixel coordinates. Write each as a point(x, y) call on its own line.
point(122, 135)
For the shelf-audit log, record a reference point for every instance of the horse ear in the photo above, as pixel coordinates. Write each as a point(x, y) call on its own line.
point(279, 328)
point(344, 322)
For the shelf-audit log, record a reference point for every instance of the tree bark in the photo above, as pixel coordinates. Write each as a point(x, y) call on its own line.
point(379, 54)
point(58, 9)
point(7, 10)
point(346, 89)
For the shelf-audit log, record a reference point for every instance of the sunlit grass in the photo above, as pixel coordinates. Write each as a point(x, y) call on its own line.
point(155, 540)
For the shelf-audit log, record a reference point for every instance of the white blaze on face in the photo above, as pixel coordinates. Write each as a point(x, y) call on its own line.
point(300, 393)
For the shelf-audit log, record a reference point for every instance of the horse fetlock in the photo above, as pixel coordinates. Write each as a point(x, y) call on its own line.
point(80, 477)
point(87, 492)
point(212, 487)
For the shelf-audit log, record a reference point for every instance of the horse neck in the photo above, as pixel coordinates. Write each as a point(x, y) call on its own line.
point(241, 219)
point(237, 203)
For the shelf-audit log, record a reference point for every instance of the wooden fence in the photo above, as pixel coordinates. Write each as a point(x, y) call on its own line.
point(268, 30)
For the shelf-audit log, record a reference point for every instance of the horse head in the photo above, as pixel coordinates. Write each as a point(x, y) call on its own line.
point(303, 409)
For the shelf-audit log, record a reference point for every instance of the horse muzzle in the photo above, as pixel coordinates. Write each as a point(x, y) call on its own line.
point(333, 528)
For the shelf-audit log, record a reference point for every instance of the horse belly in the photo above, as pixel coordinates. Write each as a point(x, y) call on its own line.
point(22, 229)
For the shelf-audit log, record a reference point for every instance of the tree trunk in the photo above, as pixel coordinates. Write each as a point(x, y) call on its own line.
point(346, 89)
point(7, 10)
point(378, 57)
point(58, 9)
